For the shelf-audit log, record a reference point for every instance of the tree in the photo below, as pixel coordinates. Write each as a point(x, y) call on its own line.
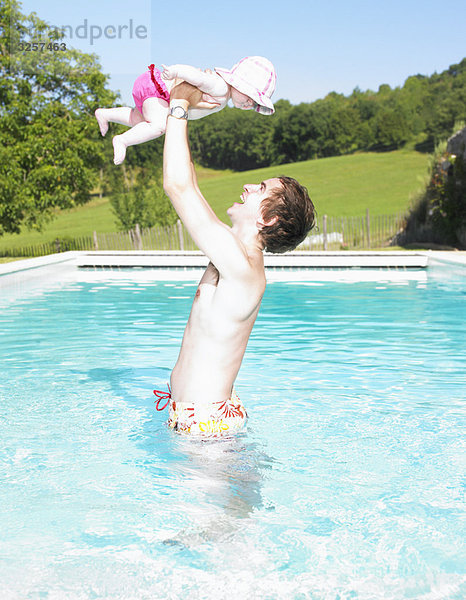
point(138, 198)
point(342, 122)
point(232, 139)
point(295, 131)
point(50, 147)
point(392, 128)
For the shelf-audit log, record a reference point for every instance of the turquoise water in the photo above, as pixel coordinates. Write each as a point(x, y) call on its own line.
point(348, 483)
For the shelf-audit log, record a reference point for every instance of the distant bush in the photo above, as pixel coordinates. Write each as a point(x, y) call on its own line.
point(439, 210)
point(449, 199)
point(139, 199)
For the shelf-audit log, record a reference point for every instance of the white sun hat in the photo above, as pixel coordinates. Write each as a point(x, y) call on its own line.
point(254, 76)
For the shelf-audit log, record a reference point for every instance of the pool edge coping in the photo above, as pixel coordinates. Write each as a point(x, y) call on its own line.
point(195, 259)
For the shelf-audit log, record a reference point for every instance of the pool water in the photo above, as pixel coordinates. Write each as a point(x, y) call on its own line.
point(347, 483)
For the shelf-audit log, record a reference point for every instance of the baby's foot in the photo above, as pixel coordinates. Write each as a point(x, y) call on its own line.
point(102, 121)
point(119, 150)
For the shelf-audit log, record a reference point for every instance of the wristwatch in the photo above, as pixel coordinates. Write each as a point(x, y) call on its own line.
point(179, 112)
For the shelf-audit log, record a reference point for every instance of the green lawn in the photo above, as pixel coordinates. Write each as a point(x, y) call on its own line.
point(339, 186)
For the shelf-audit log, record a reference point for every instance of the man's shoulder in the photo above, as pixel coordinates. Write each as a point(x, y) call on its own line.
point(250, 274)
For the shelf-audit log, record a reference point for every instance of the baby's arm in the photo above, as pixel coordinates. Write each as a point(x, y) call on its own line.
point(211, 83)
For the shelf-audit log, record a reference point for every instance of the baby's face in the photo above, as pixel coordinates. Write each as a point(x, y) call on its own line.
point(240, 100)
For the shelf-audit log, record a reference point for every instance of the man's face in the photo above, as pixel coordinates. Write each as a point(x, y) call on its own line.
point(251, 200)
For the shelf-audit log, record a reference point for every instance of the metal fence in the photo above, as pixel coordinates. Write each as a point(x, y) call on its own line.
point(354, 233)
point(330, 233)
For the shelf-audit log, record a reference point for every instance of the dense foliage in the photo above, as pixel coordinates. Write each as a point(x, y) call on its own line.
point(137, 196)
point(50, 151)
point(439, 211)
point(421, 112)
point(449, 199)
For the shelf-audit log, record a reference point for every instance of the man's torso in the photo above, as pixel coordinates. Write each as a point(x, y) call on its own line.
point(215, 338)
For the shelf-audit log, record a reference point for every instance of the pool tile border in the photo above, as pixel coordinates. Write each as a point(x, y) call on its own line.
point(196, 260)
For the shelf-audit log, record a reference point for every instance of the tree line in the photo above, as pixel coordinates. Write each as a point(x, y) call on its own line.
point(421, 112)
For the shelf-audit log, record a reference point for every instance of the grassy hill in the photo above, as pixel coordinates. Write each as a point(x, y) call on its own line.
point(338, 186)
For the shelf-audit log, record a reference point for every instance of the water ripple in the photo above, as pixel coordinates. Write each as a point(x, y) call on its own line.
point(347, 483)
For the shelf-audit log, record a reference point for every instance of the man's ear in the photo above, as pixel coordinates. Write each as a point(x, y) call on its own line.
point(261, 223)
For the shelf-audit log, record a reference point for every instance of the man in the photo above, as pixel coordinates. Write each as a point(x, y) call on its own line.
point(276, 215)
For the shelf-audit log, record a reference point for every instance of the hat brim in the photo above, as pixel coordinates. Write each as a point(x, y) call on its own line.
point(264, 105)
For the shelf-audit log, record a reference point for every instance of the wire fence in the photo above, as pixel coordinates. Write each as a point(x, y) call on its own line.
point(330, 233)
point(354, 233)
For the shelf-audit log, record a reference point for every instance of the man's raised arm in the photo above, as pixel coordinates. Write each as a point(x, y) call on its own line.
point(212, 236)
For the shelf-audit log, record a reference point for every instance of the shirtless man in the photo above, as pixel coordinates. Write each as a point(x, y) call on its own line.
point(275, 214)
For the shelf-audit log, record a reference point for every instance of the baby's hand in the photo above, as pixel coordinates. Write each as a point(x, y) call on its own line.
point(168, 72)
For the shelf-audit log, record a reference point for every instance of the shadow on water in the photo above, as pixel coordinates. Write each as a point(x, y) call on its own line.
point(222, 478)
point(124, 382)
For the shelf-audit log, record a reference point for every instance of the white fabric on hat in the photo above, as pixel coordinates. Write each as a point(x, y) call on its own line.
point(254, 76)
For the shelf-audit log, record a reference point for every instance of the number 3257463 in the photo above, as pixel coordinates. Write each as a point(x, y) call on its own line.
point(41, 46)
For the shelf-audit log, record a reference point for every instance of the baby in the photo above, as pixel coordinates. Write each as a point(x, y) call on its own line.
point(250, 84)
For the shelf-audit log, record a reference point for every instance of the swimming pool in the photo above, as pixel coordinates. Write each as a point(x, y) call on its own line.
point(346, 484)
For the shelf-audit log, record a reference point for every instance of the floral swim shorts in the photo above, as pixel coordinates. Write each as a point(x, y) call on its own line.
point(217, 419)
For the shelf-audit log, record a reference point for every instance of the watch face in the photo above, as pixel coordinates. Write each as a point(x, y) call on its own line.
point(179, 112)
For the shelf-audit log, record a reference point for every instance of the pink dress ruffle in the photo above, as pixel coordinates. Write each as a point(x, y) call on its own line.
point(149, 85)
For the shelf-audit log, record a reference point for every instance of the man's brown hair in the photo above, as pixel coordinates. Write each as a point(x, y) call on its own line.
point(295, 213)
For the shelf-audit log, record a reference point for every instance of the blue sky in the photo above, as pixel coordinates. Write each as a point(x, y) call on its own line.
point(317, 47)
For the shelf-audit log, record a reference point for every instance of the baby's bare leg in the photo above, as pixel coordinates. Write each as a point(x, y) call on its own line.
point(124, 115)
point(155, 113)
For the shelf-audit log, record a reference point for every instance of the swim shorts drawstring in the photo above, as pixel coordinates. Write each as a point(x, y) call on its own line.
point(163, 396)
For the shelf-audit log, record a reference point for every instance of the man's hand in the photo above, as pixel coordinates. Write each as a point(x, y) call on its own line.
point(192, 95)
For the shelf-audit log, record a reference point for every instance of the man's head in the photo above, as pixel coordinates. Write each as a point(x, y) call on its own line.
point(279, 210)
point(288, 214)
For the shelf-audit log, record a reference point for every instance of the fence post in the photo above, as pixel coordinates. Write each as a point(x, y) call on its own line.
point(137, 237)
point(368, 228)
point(101, 179)
point(96, 243)
point(324, 231)
point(57, 245)
point(180, 234)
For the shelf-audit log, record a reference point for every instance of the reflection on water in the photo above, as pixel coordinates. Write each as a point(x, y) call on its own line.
point(226, 478)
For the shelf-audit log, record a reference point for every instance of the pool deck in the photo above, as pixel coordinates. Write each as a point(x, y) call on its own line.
point(192, 261)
